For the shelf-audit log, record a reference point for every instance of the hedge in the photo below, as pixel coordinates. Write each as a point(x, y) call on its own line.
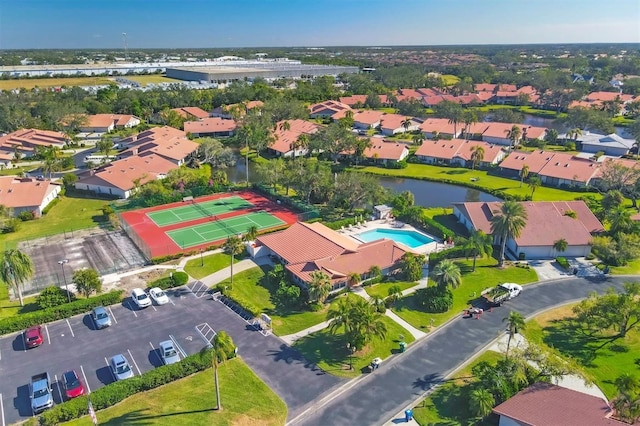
point(116, 392)
point(176, 280)
point(562, 261)
point(452, 253)
point(239, 300)
point(22, 321)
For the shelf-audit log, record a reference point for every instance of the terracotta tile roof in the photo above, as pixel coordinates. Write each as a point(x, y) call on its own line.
point(189, 112)
point(546, 221)
point(607, 96)
point(122, 173)
point(353, 99)
point(106, 120)
point(429, 92)
point(485, 87)
point(544, 404)
point(440, 125)
point(166, 141)
point(210, 125)
point(500, 130)
point(457, 148)
point(328, 108)
point(383, 150)
point(369, 117)
point(507, 88)
point(536, 160)
point(26, 139)
point(284, 138)
point(484, 96)
point(410, 94)
point(491, 151)
point(394, 121)
point(16, 193)
point(568, 167)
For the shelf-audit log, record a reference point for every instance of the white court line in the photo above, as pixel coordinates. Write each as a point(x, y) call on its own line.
point(112, 316)
point(47, 330)
point(55, 376)
point(86, 383)
point(1, 410)
point(173, 339)
point(134, 362)
point(70, 329)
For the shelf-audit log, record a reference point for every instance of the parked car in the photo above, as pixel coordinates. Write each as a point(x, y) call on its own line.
point(158, 296)
point(33, 337)
point(100, 317)
point(120, 367)
point(168, 352)
point(72, 385)
point(140, 298)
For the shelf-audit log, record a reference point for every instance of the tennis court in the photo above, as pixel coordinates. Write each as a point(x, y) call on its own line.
point(194, 210)
point(222, 229)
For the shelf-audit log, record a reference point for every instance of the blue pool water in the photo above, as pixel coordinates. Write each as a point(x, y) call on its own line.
point(411, 239)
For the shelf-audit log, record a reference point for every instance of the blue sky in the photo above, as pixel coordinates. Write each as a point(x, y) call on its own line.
point(247, 23)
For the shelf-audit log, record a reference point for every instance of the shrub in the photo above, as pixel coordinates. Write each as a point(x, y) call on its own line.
point(50, 205)
point(22, 321)
point(53, 296)
point(452, 253)
point(315, 306)
point(435, 299)
point(175, 280)
point(180, 278)
point(11, 225)
point(562, 261)
point(26, 215)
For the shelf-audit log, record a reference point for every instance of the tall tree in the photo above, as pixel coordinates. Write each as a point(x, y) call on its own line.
point(515, 322)
point(16, 268)
point(560, 245)
point(319, 287)
point(627, 402)
point(534, 183)
point(477, 155)
point(87, 281)
point(481, 402)
point(447, 273)
point(353, 279)
point(359, 319)
point(233, 246)
point(479, 244)
point(524, 173)
point(514, 135)
point(221, 348)
point(508, 222)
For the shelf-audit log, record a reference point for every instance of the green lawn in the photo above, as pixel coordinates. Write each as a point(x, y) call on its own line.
point(382, 289)
point(152, 78)
point(602, 362)
point(464, 176)
point(250, 285)
point(449, 404)
point(71, 213)
point(486, 275)
point(632, 268)
point(10, 308)
point(246, 400)
point(444, 216)
point(212, 263)
point(329, 350)
point(449, 79)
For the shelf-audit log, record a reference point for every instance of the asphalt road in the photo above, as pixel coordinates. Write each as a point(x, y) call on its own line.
point(189, 320)
point(398, 382)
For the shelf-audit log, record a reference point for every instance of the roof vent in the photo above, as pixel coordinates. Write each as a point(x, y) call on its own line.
point(566, 165)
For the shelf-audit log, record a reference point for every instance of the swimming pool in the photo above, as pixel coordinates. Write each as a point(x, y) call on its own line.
point(411, 239)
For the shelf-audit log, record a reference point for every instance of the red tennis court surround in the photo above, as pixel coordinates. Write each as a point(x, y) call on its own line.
point(153, 240)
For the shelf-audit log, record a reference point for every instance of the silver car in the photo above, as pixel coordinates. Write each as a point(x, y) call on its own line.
point(100, 317)
point(168, 352)
point(120, 367)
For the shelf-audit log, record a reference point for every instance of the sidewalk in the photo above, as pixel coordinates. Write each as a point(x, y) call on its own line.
point(291, 338)
point(223, 274)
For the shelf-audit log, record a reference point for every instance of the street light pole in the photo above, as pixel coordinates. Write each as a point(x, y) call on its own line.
point(201, 258)
point(64, 276)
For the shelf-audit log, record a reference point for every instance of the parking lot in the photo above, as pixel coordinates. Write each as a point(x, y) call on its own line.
point(188, 320)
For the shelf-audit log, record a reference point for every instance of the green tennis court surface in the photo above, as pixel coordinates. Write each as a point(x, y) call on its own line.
point(222, 229)
point(192, 211)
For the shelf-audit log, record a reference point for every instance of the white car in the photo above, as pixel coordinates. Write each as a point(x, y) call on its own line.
point(140, 298)
point(168, 352)
point(158, 296)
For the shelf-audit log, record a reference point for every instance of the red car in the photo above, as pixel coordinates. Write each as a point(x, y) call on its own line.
point(33, 337)
point(72, 385)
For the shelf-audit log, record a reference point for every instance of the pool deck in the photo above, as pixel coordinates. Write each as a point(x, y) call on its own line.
point(351, 231)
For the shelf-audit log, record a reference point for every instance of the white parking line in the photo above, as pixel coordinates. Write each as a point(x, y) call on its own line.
point(111, 371)
point(1, 410)
point(24, 342)
point(0, 356)
point(132, 309)
point(154, 308)
point(86, 383)
point(70, 329)
point(47, 330)
point(55, 376)
point(172, 302)
point(134, 363)
point(112, 316)
point(156, 352)
point(173, 339)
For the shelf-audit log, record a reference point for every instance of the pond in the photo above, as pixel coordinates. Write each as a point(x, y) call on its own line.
point(550, 123)
point(427, 194)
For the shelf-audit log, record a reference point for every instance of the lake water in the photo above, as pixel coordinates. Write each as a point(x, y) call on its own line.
point(549, 123)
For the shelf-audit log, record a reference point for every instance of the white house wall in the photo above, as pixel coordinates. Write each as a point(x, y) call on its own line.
point(100, 189)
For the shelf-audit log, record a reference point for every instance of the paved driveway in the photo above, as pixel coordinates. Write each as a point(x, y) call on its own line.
point(398, 382)
point(74, 344)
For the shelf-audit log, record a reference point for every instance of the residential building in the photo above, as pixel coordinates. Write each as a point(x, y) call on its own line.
point(214, 127)
point(534, 160)
point(611, 144)
point(358, 101)
point(365, 120)
point(568, 170)
point(167, 142)
point(191, 113)
point(440, 127)
point(385, 152)
point(27, 194)
point(458, 152)
point(390, 124)
point(25, 142)
point(287, 137)
point(329, 109)
point(544, 404)
point(547, 222)
point(305, 248)
point(103, 123)
point(121, 177)
point(498, 133)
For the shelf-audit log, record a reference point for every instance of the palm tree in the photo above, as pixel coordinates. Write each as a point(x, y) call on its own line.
point(378, 303)
point(374, 271)
point(353, 279)
point(418, 139)
point(251, 233)
point(508, 222)
point(514, 135)
point(477, 155)
point(534, 183)
point(320, 286)
point(369, 323)
point(480, 244)
point(16, 267)
point(574, 133)
point(221, 347)
point(469, 117)
point(340, 317)
point(627, 402)
point(406, 123)
point(447, 273)
point(524, 172)
point(481, 402)
point(232, 247)
point(619, 220)
point(560, 245)
point(302, 142)
point(515, 322)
